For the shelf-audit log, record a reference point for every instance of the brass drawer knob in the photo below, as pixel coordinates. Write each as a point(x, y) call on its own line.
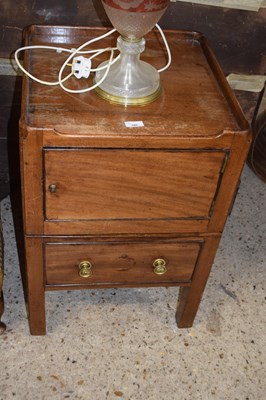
point(159, 266)
point(85, 269)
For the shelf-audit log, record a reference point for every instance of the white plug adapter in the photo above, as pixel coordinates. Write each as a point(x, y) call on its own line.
point(81, 67)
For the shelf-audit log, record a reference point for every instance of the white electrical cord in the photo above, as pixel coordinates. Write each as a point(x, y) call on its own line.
point(167, 49)
point(39, 47)
point(74, 52)
point(91, 87)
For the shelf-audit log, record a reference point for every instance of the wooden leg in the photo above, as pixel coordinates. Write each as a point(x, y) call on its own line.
point(35, 293)
point(2, 325)
point(183, 320)
point(190, 297)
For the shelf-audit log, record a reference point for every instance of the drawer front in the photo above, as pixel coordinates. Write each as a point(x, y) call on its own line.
point(130, 185)
point(120, 262)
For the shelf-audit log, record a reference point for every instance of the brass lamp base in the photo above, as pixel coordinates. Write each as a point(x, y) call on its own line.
point(138, 101)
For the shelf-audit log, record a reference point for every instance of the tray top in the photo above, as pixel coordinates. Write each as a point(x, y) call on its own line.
point(196, 99)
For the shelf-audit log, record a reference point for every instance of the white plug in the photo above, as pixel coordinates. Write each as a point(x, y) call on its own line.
point(81, 67)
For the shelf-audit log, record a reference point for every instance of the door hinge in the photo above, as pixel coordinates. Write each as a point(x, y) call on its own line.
point(212, 207)
point(223, 168)
point(224, 164)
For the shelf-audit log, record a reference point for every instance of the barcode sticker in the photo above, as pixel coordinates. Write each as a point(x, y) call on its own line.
point(134, 124)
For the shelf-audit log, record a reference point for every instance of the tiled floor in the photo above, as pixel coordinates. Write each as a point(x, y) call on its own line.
point(124, 343)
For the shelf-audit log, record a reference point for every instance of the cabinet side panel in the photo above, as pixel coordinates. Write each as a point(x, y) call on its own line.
point(230, 181)
point(31, 177)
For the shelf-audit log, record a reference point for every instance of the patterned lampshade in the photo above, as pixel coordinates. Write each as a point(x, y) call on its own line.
point(134, 18)
point(138, 5)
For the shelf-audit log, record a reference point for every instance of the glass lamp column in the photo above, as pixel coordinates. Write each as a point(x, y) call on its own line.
point(131, 81)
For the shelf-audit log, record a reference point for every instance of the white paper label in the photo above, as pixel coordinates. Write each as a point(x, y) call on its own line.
point(134, 124)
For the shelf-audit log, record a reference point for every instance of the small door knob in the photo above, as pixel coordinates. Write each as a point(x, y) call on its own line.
point(159, 266)
point(85, 269)
point(53, 188)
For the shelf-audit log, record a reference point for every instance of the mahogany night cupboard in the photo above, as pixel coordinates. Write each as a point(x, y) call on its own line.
point(106, 205)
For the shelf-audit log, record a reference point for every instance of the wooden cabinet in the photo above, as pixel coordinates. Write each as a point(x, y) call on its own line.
point(110, 206)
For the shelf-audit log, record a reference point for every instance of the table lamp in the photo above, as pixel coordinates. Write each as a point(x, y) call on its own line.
point(131, 81)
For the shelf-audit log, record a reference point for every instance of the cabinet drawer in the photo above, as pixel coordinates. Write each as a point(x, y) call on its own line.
point(121, 262)
point(130, 185)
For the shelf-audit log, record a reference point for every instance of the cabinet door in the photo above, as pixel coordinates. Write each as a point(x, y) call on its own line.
point(98, 191)
point(130, 185)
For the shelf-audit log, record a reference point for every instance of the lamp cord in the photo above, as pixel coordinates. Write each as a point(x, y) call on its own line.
point(71, 58)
